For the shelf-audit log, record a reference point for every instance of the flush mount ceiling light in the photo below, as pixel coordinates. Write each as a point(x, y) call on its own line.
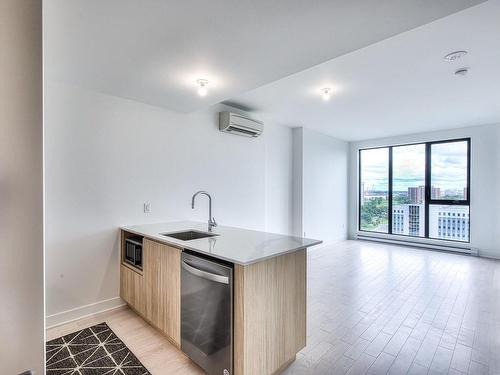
point(453, 56)
point(202, 87)
point(326, 93)
point(462, 72)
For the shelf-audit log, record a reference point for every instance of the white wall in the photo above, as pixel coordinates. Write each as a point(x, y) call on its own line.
point(278, 179)
point(320, 186)
point(325, 181)
point(297, 183)
point(106, 156)
point(21, 187)
point(485, 181)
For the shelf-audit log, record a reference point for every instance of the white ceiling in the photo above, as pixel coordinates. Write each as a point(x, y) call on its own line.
point(153, 51)
point(400, 85)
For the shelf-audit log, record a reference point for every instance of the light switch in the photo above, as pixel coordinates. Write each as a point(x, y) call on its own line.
point(147, 207)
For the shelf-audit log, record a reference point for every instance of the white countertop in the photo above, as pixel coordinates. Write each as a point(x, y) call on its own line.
point(235, 245)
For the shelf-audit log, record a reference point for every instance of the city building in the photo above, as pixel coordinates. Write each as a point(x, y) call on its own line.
point(408, 219)
point(445, 222)
point(435, 192)
point(449, 223)
point(416, 194)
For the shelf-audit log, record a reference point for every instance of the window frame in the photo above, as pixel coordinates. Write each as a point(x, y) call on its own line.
point(389, 191)
point(428, 191)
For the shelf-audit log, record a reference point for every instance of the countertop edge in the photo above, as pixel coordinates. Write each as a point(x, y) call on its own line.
point(182, 246)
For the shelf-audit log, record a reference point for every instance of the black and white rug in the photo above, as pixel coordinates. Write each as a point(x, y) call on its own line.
point(92, 351)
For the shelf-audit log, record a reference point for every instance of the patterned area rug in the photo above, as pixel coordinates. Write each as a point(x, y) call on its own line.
point(92, 351)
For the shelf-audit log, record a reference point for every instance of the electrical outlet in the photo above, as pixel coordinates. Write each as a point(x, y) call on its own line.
point(147, 207)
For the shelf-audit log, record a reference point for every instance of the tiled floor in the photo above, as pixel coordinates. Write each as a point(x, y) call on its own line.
point(379, 309)
point(373, 309)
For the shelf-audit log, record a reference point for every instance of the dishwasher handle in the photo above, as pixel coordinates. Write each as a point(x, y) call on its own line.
point(204, 274)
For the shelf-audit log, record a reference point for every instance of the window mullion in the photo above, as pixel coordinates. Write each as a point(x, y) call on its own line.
point(427, 186)
point(390, 194)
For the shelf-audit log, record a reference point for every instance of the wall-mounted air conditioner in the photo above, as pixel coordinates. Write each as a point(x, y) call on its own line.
point(235, 123)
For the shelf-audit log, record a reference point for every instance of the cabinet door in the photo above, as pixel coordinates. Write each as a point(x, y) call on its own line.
point(162, 287)
point(132, 289)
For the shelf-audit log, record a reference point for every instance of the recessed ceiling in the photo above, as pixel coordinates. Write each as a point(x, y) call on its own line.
point(401, 85)
point(154, 51)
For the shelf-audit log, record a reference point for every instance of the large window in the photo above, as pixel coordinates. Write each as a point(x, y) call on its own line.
point(417, 190)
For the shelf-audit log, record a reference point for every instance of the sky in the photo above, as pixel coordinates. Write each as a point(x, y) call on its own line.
point(448, 166)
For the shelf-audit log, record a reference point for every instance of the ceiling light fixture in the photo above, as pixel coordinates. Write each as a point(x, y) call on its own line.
point(453, 56)
point(462, 72)
point(202, 87)
point(326, 93)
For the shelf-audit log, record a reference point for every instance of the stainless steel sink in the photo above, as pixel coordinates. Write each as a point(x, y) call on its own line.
point(188, 235)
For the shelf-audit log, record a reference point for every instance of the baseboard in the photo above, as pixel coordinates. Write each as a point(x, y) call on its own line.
point(423, 244)
point(83, 312)
point(489, 254)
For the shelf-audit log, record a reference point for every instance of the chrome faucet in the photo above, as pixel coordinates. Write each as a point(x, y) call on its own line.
point(211, 221)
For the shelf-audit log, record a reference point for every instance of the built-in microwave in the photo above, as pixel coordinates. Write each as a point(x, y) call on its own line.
point(133, 251)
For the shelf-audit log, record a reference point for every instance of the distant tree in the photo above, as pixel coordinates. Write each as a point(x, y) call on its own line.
point(401, 199)
point(452, 197)
point(374, 213)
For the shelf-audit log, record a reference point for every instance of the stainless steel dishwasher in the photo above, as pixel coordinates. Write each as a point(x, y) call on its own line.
point(207, 313)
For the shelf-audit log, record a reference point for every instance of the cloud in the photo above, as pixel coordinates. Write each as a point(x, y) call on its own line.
point(448, 165)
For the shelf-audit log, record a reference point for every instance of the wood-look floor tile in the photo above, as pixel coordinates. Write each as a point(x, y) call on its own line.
point(381, 365)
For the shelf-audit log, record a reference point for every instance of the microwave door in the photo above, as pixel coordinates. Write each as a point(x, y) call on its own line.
point(129, 256)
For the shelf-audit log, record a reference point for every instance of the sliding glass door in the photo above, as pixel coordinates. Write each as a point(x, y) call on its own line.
point(417, 190)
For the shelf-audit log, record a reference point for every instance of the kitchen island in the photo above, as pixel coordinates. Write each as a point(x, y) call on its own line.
point(269, 288)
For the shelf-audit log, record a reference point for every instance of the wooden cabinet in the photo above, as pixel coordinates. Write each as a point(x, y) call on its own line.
point(269, 313)
point(154, 292)
point(131, 289)
point(162, 277)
